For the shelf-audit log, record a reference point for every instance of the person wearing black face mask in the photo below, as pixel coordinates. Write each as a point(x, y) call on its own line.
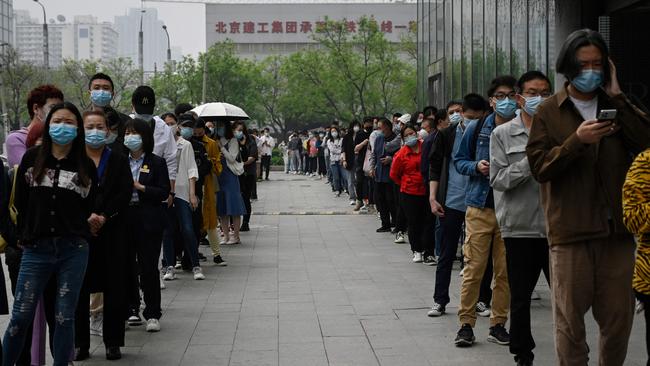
point(361, 143)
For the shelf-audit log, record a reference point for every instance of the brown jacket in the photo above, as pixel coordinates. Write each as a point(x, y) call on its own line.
point(581, 184)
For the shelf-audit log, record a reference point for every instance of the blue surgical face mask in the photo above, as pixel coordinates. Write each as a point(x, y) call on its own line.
point(411, 141)
point(95, 138)
point(531, 104)
point(588, 80)
point(239, 135)
point(506, 107)
point(133, 142)
point(101, 98)
point(62, 133)
point(187, 132)
point(221, 131)
point(455, 117)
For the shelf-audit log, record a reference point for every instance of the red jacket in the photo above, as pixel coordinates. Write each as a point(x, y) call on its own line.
point(405, 171)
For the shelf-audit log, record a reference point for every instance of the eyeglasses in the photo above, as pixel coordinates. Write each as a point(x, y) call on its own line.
point(502, 96)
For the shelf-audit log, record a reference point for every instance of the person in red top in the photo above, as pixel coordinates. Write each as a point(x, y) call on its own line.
point(405, 172)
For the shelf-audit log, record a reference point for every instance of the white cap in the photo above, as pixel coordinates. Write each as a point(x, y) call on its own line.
point(405, 118)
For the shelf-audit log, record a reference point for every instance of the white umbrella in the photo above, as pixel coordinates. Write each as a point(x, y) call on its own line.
point(222, 111)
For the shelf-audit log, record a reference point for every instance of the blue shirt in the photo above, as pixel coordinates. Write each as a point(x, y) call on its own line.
point(136, 165)
point(479, 193)
point(457, 183)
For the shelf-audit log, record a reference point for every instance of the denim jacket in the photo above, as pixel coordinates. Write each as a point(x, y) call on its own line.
point(478, 186)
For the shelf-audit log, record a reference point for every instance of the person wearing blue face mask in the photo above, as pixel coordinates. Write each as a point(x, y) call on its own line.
point(518, 210)
point(55, 197)
point(381, 158)
point(581, 163)
point(108, 248)
point(145, 220)
point(483, 241)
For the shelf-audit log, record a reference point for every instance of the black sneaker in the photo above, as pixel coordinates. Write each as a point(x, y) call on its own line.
point(204, 242)
point(465, 336)
point(524, 360)
point(202, 258)
point(81, 354)
point(134, 319)
point(383, 229)
point(430, 260)
point(499, 335)
point(245, 227)
point(219, 261)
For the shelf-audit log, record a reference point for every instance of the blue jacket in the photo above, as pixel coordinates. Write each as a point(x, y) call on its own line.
point(381, 151)
point(478, 187)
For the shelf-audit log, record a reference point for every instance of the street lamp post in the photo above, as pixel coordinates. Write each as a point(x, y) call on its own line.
point(46, 42)
point(3, 105)
point(169, 49)
point(141, 49)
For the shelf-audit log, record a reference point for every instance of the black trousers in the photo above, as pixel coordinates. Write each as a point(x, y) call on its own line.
point(145, 232)
point(246, 183)
point(322, 169)
point(401, 220)
point(266, 166)
point(451, 226)
point(385, 203)
point(429, 232)
point(312, 163)
point(414, 208)
point(361, 185)
point(114, 312)
point(526, 258)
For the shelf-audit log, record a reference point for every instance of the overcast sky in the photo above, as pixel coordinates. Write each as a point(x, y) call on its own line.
point(185, 22)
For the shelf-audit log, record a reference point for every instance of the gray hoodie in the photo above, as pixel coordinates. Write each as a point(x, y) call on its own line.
point(516, 193)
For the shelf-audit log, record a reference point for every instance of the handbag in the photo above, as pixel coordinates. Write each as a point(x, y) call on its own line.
point(366, 163)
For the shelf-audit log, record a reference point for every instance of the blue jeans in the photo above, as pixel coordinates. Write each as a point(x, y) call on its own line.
point(66, 259)
point(184, 216)
point(337, 176)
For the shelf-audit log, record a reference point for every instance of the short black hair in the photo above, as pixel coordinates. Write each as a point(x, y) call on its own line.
point(441, 116)
point(475, 102)
point(502, 80)
point(567, 63)
point(143, 129)
point(101, 76)
point(367, 120)
point(430, 111)
point(182, 108)
point(385, 121)
point(454, 102)
point(187, 119)
point(169, 114)
point(397, 115)
point(409, 125)
point(531, 75)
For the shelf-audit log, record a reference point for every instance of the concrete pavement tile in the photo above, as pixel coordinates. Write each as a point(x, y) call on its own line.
point(301, 354)
point(349, 351)
point(257, 358)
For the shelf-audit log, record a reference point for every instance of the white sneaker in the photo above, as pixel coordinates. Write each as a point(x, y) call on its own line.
point(153, 325)
point(353, 202)
point(198, 274)
point(97, 325)
point(417, 257)
point(162, 284)
point(436, 310)
point(170, 274)
point(482, 309)
point(364, 209)
point(399, 238)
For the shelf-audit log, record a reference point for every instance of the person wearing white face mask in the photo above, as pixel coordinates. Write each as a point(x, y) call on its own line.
point(334, 144)
point(518, 210)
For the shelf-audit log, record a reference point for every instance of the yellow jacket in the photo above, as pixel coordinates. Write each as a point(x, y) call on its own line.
point(209, 185)
point(636, 216)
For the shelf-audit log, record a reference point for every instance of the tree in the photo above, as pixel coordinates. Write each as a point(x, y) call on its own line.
point(18, 78)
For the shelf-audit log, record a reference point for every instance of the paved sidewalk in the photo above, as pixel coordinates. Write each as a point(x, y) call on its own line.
point(308, 289)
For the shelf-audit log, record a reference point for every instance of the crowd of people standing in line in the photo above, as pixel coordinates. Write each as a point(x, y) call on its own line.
point(534, 181)
point(90, 199)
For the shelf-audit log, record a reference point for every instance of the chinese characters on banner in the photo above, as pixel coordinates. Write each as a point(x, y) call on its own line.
point(294, 27)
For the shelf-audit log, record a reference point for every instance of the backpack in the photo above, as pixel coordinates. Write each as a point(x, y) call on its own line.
point(203, 163)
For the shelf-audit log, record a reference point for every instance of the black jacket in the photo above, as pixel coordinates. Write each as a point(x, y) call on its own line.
point(348, 150)
point(439, 158)
point(155, 178)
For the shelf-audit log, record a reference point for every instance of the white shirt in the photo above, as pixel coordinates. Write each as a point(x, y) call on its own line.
point(186, 169)
point(165, 145)
point(268, 148)
point(588, 108)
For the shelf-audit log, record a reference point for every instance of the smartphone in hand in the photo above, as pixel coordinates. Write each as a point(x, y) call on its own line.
point(607, 115)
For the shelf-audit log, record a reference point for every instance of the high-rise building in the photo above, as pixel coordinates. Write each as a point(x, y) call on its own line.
point(154, 38)
point(6, 21)
point(84, 38)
